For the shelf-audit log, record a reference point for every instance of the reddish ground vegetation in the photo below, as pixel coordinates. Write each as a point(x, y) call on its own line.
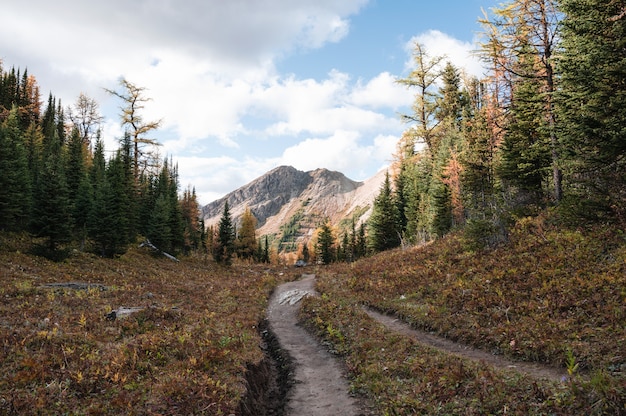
point(549, 295)
point(186, 352)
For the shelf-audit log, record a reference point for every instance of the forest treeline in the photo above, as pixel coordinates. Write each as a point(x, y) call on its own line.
point(57, 182)
point(544, 129)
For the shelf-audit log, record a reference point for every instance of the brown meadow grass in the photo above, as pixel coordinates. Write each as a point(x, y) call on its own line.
point(186, 352)
point(549, 295)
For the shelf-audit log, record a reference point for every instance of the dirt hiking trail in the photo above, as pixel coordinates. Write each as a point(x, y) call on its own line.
point(535, 370)
point(320, 386)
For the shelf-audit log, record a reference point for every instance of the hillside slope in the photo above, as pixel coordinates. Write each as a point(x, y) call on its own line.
point(550, 295)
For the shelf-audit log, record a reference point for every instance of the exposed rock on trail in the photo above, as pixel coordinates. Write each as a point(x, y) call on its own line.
point(320, 387)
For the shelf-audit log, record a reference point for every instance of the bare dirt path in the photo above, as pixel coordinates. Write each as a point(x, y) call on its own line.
point(320, 386)
point(535, 370)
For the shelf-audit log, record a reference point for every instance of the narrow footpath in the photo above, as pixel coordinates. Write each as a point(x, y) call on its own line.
point(320, 387)
point(535, 370)
point(320, 384)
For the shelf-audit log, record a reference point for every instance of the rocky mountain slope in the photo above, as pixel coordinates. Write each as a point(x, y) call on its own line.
point(289, 204)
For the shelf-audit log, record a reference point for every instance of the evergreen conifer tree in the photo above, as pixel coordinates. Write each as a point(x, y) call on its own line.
point(78, 183)
point(15, 184)
point(111, 224)
point(325, 247)
point(417, 188)
point(33, 142)
point(175, 221)
point(526, 146)
point(225, 242)
point(52, 216)
point(361, 243)
point(592, 102)
point(384, 232)
point(266, 250)
point(160, 232)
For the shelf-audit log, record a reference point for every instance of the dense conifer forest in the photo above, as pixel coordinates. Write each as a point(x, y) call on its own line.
point(58, 184)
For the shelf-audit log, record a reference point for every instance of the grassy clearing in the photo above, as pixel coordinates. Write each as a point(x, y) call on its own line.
point(550, 295)
point(186, 352)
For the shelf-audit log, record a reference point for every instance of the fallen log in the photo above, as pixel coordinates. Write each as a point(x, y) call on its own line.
point(151, 246)
point(75, 286)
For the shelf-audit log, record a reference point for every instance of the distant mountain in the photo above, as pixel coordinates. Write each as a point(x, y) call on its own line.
point(290, 204)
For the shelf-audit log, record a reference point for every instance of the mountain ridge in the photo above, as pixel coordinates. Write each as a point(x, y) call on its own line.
point(287, 198)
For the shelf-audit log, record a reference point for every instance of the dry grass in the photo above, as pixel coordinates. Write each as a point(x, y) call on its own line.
point(550, 295)
point(185, 353)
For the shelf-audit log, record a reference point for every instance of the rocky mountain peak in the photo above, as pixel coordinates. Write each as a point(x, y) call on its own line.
point(302, 199)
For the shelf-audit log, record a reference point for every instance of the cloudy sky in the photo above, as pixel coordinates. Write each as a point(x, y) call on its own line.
point(244, 86)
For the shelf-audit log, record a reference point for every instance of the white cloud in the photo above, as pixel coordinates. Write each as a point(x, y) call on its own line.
point(245, 32)
point(209, 66)
point(344, 151)
point(214, 177)
point(460, 53)
point(324, 107)
point(381, 91)
point(201, 58)
point(341, 152)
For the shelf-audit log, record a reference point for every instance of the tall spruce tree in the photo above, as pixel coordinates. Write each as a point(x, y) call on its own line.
point(78, 183)
point(15, 178)
point(418, 207)
point(451, 99)
point(225, 243)
point(592, 102)
point(266, 250)
point(526, 30)
point(325, 248)
point(33, 142)
point(112, 216)
point(525, 150)
point(176, 217)
point(384, 231)
point(450, 110)
point(160, 232)
point(161, 217)
point(52, 217)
